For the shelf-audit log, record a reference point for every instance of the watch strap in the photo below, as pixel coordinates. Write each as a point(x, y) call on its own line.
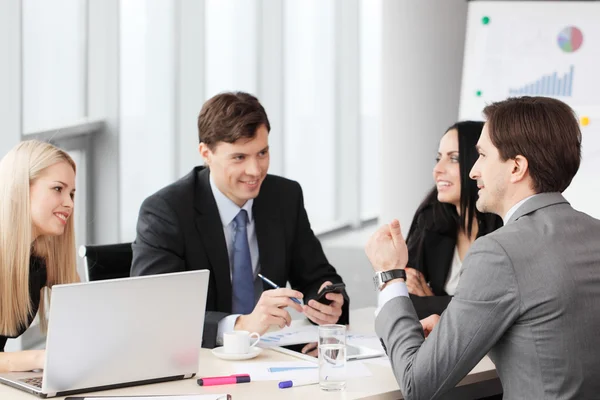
point(387, 276)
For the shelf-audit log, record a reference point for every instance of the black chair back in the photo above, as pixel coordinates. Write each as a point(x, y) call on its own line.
point(107, 261)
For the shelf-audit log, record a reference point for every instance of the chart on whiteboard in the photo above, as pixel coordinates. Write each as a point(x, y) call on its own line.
point(543, 49)
point(539, 49)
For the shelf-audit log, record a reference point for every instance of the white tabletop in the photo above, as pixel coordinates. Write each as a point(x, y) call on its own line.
point(381, 385)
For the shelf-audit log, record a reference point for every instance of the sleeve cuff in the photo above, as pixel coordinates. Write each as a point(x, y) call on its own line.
point(226, 325)
point(390, 292)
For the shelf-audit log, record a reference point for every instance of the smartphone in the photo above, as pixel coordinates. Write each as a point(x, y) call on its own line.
point(335, 288)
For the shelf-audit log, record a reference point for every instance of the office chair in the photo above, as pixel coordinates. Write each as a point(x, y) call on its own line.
point(106, 261)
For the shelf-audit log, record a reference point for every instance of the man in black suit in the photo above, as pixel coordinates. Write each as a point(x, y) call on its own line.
point(233, 219)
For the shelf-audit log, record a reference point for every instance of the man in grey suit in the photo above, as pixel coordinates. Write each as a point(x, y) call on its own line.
point(529, 293)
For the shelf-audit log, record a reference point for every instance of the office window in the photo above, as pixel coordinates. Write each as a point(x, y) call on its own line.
point(309, 105)
point(370, 105)
point(146, 104)
point(231, 47)
point(54, 67)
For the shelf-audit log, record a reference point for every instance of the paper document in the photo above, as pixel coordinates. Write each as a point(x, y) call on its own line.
point(169, 397)
point(310, 333)
point(370, 341)
point(290, 335)
point(383, 361)
point(287, 370)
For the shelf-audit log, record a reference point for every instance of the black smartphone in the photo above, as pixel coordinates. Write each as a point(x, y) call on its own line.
point(335, 288)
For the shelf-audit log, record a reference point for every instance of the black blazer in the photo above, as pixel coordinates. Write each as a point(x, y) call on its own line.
point(431, 253)
point(179, 229)
point(37, 280)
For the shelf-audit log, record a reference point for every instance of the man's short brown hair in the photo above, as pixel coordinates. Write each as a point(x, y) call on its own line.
point(230, 116)
point(543, 130)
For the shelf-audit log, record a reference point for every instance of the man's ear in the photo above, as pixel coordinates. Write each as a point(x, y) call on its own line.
point(520, 169)
point(205, 152)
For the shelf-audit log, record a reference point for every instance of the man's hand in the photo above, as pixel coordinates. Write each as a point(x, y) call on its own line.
point(322, 314)
point(415, 282)
point(429, 323)
point(386, 248)
point(270, 311)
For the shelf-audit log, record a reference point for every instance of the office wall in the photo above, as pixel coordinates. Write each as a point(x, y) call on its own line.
point(10, 76)
point(422, 55)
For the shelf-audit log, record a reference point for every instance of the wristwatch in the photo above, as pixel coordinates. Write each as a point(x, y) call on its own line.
point(381, 277)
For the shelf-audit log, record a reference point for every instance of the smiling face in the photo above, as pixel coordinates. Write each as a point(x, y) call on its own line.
point(238, 169)
point(492, 175)
point(52, 199)
point(446, 172)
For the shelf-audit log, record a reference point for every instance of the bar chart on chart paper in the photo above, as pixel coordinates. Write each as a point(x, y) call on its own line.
point(548, 85)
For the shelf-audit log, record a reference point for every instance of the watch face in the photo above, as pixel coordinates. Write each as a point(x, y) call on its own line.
point(378, 281)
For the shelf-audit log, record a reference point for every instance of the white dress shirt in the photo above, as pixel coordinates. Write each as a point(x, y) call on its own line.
point(515, 208)
point(454, 274)
point(228, 210)
point(399, 289)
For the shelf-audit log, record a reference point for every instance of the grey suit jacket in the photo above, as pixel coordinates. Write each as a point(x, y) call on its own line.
point(529, 294)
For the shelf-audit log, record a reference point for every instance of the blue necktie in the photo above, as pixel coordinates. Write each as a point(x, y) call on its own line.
point(242, 275)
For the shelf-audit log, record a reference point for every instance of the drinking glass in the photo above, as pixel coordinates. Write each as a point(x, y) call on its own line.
point(332, 357)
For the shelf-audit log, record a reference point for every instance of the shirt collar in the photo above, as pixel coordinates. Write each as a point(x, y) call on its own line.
point(227, 208)
point(515, 208)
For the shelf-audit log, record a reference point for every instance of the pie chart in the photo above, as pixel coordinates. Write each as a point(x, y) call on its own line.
point(570, 39)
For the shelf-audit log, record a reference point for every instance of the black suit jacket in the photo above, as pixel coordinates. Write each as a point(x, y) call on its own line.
point(179, 229)
point(432, 254)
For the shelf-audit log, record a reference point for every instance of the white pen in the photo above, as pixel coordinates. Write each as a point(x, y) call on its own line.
point(296, 382)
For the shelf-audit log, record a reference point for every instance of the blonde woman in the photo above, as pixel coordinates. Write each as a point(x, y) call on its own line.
point(37, 242)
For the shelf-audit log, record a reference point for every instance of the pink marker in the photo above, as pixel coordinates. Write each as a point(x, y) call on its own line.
point(224, 380)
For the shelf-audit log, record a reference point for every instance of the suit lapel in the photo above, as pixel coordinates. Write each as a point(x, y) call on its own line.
point(210, 228)
point(270, 236)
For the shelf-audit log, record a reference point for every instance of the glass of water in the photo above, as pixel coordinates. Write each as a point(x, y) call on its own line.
point(332, 357)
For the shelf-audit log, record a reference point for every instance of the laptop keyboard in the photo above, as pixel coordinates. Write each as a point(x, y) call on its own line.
point(37, 382)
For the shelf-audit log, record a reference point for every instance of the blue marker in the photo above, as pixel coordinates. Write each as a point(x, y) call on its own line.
point(294, 383)
point(274, 286)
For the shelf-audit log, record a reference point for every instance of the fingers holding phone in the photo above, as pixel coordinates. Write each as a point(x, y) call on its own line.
point(327, 307)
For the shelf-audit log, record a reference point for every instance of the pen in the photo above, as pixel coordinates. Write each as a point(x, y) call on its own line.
point(294, 382)
point(224, 380)
point(274, 286)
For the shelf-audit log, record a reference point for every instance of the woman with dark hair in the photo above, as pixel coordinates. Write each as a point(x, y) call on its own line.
point(447, 221)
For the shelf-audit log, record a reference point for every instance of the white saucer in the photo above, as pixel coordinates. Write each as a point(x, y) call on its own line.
point(220, 353)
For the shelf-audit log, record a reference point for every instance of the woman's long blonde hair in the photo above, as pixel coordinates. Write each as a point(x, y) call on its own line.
point(18, 170)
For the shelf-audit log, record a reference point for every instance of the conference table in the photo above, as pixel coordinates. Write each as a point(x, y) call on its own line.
point(481, 381)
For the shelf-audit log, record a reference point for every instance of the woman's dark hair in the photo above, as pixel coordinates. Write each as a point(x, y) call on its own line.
point(443, 217)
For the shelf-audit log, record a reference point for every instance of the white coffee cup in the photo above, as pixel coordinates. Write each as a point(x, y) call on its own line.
point(238, 342)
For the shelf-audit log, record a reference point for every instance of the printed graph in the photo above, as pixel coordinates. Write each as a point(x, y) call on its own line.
point(280, 337)
point(548, 85)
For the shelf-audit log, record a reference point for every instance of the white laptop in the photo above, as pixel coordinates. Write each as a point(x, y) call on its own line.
point(120, 332)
